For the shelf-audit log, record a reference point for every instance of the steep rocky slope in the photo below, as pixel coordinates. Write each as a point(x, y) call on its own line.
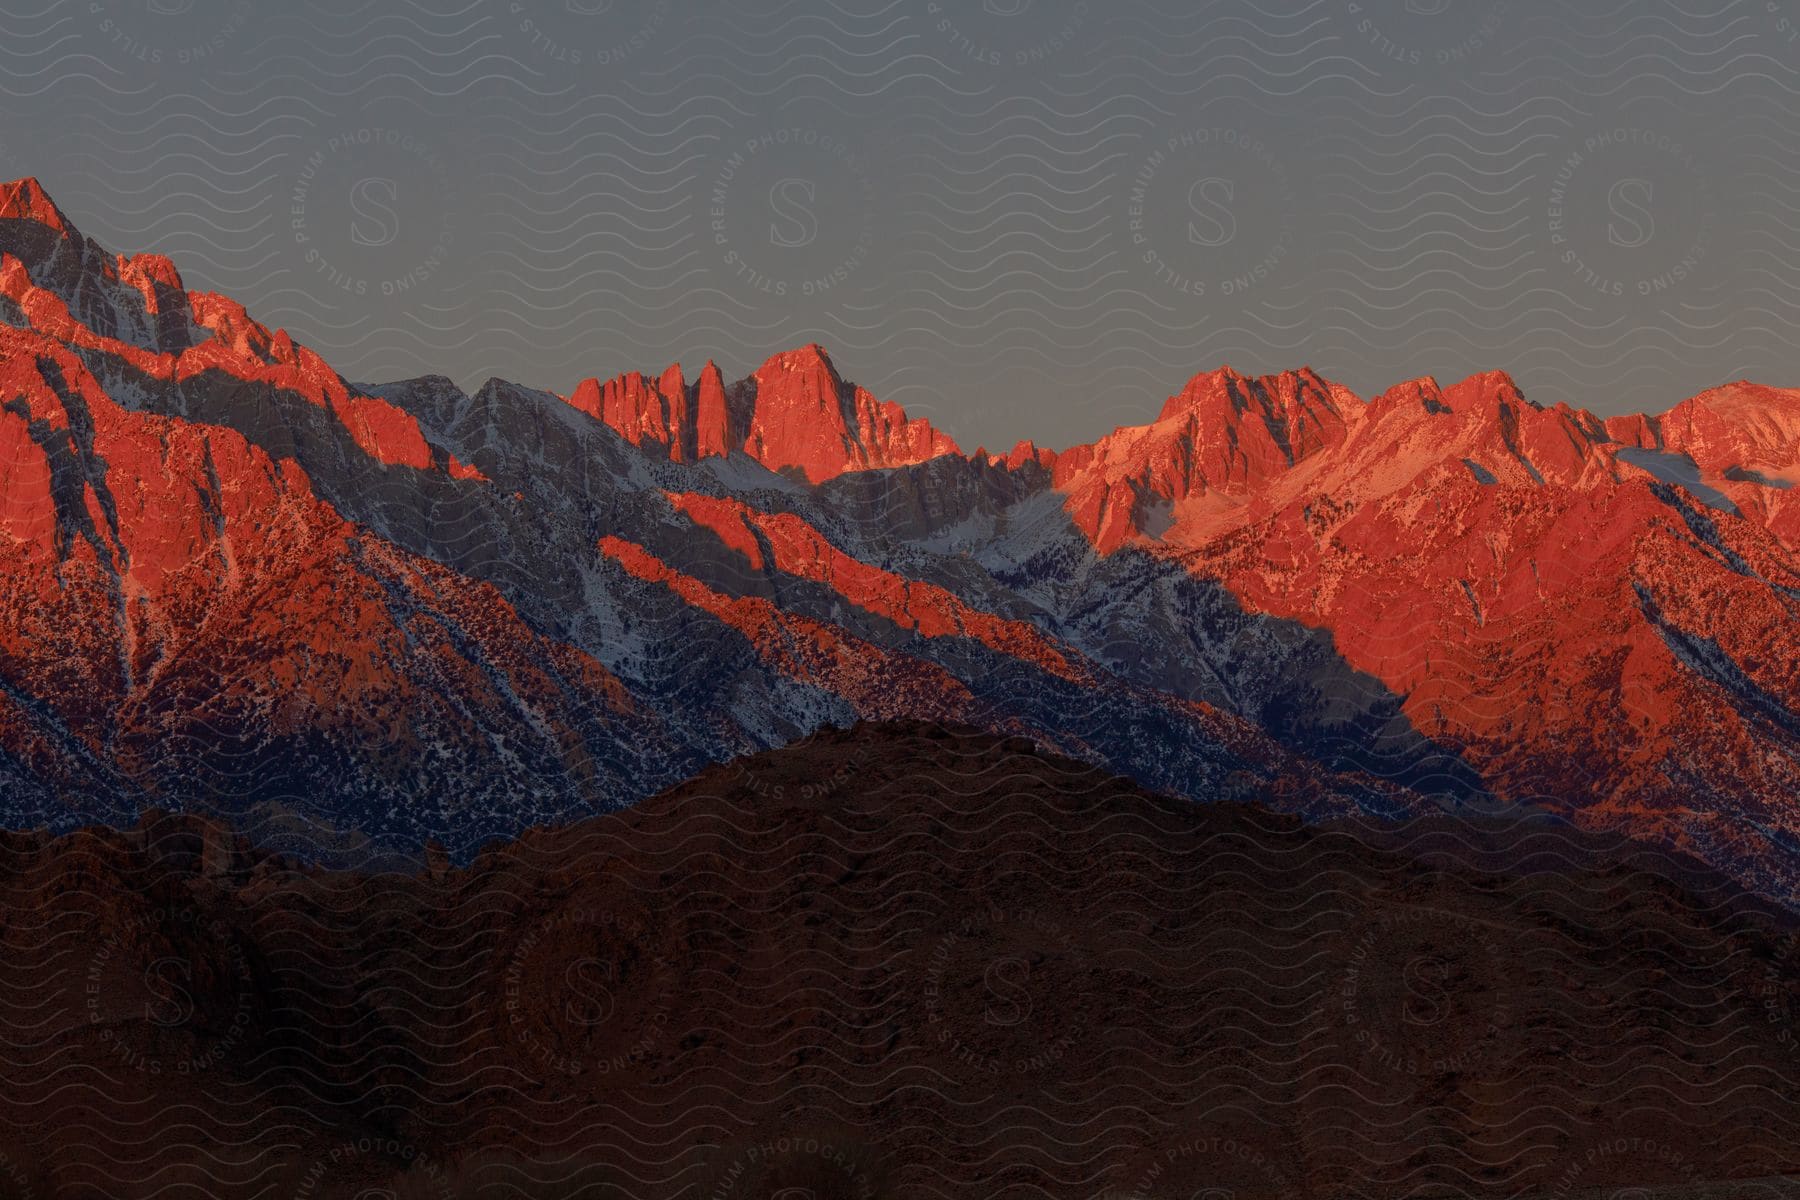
point(535, 604)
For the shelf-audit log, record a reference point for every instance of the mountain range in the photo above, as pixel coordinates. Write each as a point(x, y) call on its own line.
point(355, 615)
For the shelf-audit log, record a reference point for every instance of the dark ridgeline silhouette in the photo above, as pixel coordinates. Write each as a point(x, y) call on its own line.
point(893, 961)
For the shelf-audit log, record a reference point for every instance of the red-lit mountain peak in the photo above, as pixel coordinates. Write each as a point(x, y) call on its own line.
point(804, 416)
point(1741, 425)
point(1225, 436)
point(134, 310)
point(1288, 394)
point(639, 408)
point(795, 413)
point(712, 422)
point(1248, 429)
point(26, 200)
point(1739, 444)
point(1485, 423)
point(155, 277)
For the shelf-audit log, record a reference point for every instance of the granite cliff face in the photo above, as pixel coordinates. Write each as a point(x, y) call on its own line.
point(232, 577)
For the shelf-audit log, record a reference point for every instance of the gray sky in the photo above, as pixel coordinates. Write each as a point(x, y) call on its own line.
point(1023, 218)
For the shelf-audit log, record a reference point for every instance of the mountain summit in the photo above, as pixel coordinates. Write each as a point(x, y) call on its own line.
point(231, 578)
point(795, 413)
